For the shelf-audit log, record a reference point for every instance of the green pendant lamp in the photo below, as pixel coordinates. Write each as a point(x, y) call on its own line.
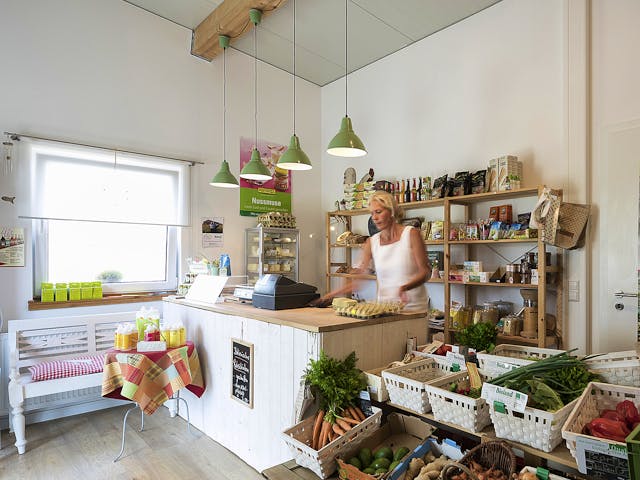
point(224, 178)
point(294, 158)
point(255, 169)
point(346, 143)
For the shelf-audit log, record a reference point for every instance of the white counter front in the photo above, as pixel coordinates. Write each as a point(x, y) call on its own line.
point(283, 342)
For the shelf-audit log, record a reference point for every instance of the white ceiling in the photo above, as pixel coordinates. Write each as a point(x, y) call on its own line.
point(377, 28)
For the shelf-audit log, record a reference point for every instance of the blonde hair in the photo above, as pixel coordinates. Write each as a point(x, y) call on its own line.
point(387, 201)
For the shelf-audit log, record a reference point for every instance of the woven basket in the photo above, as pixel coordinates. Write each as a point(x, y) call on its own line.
point(470, 413)
point(507, 357)
point(595, 398)
point(323, 462)
point(617, 368)
point(490, 454)
point(407, 384)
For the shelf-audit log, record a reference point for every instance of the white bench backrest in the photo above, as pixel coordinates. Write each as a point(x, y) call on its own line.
point(33, 341)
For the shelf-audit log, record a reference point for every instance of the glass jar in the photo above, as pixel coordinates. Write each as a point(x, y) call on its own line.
point(489, 314)
point(61, 292)
point(512, 274)
point(75, 292)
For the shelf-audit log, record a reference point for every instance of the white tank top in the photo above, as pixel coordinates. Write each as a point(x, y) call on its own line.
point(394, 266)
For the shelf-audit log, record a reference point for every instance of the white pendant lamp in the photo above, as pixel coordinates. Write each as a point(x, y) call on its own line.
point(255, 169)
point(294, 158)
point(224, 178)
point(346, 143)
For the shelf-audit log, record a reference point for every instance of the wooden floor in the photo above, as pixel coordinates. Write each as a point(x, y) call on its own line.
point(84, 446)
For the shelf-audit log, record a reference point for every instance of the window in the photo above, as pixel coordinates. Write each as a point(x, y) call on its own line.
point(108, 216)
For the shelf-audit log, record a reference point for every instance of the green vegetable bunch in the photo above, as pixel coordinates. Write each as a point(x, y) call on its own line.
point(481, 336)
point(337, 382)
point(551, 383)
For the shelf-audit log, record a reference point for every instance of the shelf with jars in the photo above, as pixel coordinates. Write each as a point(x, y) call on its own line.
point(538, 275)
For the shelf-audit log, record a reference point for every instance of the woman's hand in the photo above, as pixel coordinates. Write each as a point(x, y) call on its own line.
point(402, 294)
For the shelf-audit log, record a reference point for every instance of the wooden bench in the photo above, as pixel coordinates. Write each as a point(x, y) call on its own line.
point(35, 341)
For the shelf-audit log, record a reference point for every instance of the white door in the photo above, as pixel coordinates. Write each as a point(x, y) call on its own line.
point(615, 318)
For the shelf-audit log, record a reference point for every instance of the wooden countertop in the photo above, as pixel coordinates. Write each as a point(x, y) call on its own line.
point(308, 318)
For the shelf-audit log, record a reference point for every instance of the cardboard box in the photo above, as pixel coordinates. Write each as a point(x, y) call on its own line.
point(505, 213)
point(492, 175)
point(493, 212)
point(399, 431)
point(447, 447)
point(472, 266)
point(508, 165)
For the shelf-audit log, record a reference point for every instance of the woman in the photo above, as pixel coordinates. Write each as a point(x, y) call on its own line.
point(398, 254)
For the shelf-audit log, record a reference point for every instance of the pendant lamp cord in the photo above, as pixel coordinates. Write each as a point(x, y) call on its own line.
point(255, 81)
point(346, 53)
point(224, 104)
point(294, 67)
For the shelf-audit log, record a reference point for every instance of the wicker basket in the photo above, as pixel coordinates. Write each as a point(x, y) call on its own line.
point(470, 413)
point(507, 357)
point(407, 384)
point(538, 428)
point(617, 368)
point(323, 462)
point(497, 454)
point(595, 398)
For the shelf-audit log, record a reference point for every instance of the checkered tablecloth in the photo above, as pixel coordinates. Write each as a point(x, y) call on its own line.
point(150, 378)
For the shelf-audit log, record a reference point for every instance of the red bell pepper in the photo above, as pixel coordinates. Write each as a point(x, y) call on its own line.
point(609, 429)
point(627, 410)
point(612, 415)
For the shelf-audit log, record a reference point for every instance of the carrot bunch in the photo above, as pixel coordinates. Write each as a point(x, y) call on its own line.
point(327, 426)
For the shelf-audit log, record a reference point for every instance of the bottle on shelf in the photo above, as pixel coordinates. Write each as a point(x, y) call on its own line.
point(414, 191)
point(403, 192)
point(407, 192)
point(419, 192)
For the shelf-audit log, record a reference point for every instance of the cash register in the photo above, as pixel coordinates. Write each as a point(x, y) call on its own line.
point(277, 292)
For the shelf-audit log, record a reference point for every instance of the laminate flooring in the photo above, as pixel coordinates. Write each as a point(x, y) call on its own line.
point(84, 446)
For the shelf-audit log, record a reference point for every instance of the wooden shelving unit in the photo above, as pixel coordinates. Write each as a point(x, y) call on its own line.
point(467, 201)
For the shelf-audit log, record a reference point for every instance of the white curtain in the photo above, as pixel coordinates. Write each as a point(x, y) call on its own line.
point(70, 182)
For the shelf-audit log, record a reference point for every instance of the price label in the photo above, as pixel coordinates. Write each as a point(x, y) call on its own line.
point(600, 459)
point(456, 359)
point(504, 397)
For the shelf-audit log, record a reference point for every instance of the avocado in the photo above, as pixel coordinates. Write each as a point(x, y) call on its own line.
point(355, 461)
point(380, 470)
point(394, 465)
point(381, 462)
point(369, 470)
point(400, 452)
point(365, 457)
point(383, 452)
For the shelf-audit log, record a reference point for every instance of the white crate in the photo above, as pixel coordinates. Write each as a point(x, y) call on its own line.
point(595, 398)
point(470, 413)
point(375, 385)
point(538, 428)
point(506, 357)
point(617, 368)
point(323, 462)
point(406, 384)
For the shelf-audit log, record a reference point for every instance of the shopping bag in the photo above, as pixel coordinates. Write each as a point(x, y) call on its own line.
point(544, 215)
point(571, 225)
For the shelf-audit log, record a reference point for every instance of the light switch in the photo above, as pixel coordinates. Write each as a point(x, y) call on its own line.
point(574, 290)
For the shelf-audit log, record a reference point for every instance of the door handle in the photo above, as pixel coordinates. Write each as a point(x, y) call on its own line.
point(621, 294)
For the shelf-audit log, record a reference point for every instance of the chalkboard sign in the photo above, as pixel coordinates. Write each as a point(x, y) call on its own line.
point(242, 372)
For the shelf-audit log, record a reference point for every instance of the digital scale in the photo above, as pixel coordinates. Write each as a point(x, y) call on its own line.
point(244, 293)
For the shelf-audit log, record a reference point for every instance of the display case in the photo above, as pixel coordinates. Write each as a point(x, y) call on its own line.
point(271, 250)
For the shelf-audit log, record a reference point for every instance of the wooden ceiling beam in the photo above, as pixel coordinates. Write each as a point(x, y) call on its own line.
point(230, 18)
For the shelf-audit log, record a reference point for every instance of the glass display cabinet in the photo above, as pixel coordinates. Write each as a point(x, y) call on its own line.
point(271, 250)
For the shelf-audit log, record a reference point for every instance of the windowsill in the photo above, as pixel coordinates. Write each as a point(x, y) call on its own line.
point(106, 300)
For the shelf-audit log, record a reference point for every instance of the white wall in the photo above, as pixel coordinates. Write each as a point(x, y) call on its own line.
point(108, 73)
point(492, 84)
